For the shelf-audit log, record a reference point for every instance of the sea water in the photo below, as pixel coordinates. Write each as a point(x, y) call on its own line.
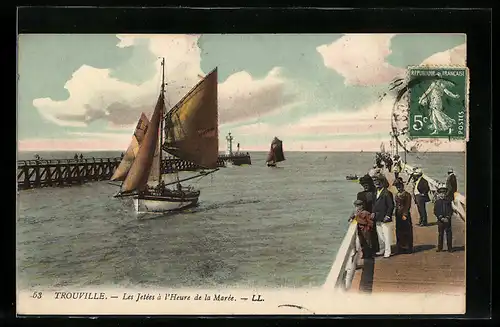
point(254, 227)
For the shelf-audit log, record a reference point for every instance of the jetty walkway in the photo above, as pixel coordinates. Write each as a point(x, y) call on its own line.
point(424, 271)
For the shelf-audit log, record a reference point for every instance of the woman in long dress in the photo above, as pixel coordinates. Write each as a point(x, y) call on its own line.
point(404, 227)
point(433, 98)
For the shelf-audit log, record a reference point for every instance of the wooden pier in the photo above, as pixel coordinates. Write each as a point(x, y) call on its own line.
point(66, 172)
point(425, 270)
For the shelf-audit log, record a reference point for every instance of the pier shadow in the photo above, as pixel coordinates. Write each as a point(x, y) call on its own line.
point(366, 281)
point(434, 223)
point(423, 247)
point(458, 248)
point(416, 249)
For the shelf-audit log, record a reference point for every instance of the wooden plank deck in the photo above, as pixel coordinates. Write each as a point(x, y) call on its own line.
point(425, 270)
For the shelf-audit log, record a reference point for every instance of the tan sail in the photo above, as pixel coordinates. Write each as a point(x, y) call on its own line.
point(138, 175)
point(129, 157)
point(154, 175)
point(191, 127)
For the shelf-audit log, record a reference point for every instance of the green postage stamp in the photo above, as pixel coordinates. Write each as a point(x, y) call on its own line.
point(438, 102)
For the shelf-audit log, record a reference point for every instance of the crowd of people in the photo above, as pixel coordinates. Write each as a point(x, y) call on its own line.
point(376, 207)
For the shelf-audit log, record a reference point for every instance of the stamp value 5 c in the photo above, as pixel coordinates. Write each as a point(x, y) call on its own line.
point(438, 102)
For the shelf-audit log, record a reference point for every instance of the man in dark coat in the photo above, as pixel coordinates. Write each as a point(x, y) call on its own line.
point(451, 185)
point(383, 209)
point(443, 211)
point(421, 196)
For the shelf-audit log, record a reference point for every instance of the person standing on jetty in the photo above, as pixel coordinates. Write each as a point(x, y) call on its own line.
point(378, 160)
point(412, 176)
point(388, 163)
point(383, 208)
point(421, 196)
point(397, 166)
point(451, 185)
point(404, 227)
point(368, 197)
point(365, 225)
point(443, 211)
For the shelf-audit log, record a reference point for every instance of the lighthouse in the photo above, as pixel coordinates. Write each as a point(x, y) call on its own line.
point(229, 139)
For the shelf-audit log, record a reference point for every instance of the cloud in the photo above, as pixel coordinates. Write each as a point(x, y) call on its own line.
point(96, 95)
point(372, 119)
point(454, 56)
point(242, 97)
point(360, 58)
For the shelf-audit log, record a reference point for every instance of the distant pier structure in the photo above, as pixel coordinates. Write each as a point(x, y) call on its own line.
point(66, 172)
point(237, 158)
point(229, 139)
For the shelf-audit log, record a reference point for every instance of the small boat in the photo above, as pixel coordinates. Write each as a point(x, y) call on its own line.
point(275, 154)
point(190, 129)
point(352, 177)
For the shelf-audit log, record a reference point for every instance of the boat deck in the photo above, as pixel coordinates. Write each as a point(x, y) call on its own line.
point(425, 270)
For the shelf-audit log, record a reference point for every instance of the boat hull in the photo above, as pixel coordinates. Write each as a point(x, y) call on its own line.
point(160, 204)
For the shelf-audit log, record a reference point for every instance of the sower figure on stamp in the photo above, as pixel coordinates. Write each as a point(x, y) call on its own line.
point(443, 211)
point(368, 197)
point(365, 225)
point(421, 196)
point(433, 98)
point(404, 227)
point(383, 209)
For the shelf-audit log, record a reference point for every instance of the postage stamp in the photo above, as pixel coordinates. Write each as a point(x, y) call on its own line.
point(438, 102)
point(241, 174)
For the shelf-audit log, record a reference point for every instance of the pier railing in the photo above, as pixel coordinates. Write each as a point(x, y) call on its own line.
point(343, 268)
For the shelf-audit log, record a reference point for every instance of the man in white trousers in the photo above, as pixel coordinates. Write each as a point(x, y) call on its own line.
point(383, 209)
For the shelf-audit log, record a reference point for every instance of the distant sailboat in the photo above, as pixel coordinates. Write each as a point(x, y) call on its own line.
point(275, 154)
point(191, 134)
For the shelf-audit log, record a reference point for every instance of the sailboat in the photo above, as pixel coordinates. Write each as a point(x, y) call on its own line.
point(129, 157)
point(188, 131)
point(275, 154)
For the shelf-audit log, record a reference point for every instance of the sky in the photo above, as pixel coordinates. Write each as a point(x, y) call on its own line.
point(318, 92)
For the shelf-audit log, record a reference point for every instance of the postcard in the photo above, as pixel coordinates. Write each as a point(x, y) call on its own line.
point(241, 174)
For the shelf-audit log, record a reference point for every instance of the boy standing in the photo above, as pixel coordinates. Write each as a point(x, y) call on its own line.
point(443, 211)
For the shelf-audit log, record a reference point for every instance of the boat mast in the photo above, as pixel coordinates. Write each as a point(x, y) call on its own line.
point(162, 116)
point(170, 130)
